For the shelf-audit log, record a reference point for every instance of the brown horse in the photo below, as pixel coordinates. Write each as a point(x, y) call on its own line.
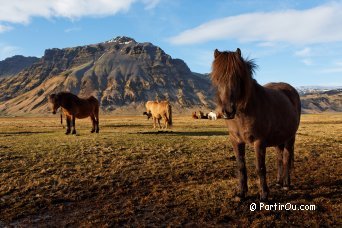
point(158, 110)
point(262, 116)
point(75, 107)
point(194, 115)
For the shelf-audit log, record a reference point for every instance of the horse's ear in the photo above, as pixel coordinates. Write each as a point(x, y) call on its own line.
point(238, 51)
point(216, 53)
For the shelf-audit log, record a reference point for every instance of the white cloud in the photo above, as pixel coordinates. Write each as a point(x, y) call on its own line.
point(316, 25)
point(19, 11)
point(8, 50)
point(332, 70)
point(304, 52)
point(307, 62)
point(336, 67)
point(4, 28)
point(150, 4)
point(73, 29)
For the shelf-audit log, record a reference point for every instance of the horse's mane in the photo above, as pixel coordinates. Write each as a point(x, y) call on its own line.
point(229, 68)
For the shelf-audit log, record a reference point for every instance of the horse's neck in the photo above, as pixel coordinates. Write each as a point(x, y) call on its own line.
point(255, 96)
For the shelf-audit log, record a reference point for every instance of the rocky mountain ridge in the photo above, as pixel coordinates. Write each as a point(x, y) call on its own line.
point(120, 73)
point(13, 65)
point(123, 74)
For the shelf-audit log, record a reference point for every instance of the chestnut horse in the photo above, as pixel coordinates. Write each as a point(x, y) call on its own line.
point(158, 110)
point(261, 116)
point(75, 107)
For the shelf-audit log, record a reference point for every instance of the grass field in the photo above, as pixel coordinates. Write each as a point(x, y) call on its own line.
point(132, 175)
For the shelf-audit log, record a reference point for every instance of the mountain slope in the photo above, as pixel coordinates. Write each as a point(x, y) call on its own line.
point(120, 73)
point(322, 101)
point(13, 65)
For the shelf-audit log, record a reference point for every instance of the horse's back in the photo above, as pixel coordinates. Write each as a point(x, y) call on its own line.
point(93, 100)
point(289, 91)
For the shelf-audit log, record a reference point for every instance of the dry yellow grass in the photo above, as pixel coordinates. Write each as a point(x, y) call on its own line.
point(130, 174)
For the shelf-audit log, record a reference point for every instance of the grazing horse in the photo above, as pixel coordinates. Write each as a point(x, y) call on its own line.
point(75, 107)
point(212, 116)
point(194, 116)
point(202, 116)
point(261, 116)
point(159, 110)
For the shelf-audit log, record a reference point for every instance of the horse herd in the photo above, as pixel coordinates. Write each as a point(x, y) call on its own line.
point(210, 116)
point(261, 116)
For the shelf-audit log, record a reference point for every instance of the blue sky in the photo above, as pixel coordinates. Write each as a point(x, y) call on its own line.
point(299, 42)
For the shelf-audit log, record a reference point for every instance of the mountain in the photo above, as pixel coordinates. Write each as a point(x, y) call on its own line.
point(121, 73)
point(13, 65)
point(305, 90)
point(317, 101)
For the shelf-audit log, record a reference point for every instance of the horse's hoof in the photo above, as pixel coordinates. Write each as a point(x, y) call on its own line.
point(92, 131)
point(68, 132)
point(97, 131)
point(238, 197)
point(74, 132)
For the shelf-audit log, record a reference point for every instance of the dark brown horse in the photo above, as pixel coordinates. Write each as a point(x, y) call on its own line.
point(75, 107)
point(262, 116)
point(202, 116)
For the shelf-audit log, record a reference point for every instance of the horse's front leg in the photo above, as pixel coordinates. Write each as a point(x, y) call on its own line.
point(68, 120)
point(260, 152)
point(154, 122)
point(287, 163)
point(239, 150)
point(73, 125)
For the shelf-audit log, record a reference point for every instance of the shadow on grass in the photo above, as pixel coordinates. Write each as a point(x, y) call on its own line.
point(185, 133)
point(122, 125)
point(24, 132)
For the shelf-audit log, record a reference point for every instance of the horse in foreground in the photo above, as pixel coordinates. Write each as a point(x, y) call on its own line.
point(159, 110)
point(262, 116)
point(74, 107)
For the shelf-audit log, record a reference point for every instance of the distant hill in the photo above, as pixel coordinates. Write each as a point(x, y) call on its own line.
point(13, 65)
point(121, 73)
point(317, 101)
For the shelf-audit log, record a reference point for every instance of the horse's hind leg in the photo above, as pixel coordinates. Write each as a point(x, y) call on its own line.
point(68, 120)
point(280, 151)
point(287, 162)
point(93, 121)
point(97, 121)
point(73, 125)
point(159, 123)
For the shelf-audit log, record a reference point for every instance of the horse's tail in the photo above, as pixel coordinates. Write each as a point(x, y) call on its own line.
point(169, 113)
